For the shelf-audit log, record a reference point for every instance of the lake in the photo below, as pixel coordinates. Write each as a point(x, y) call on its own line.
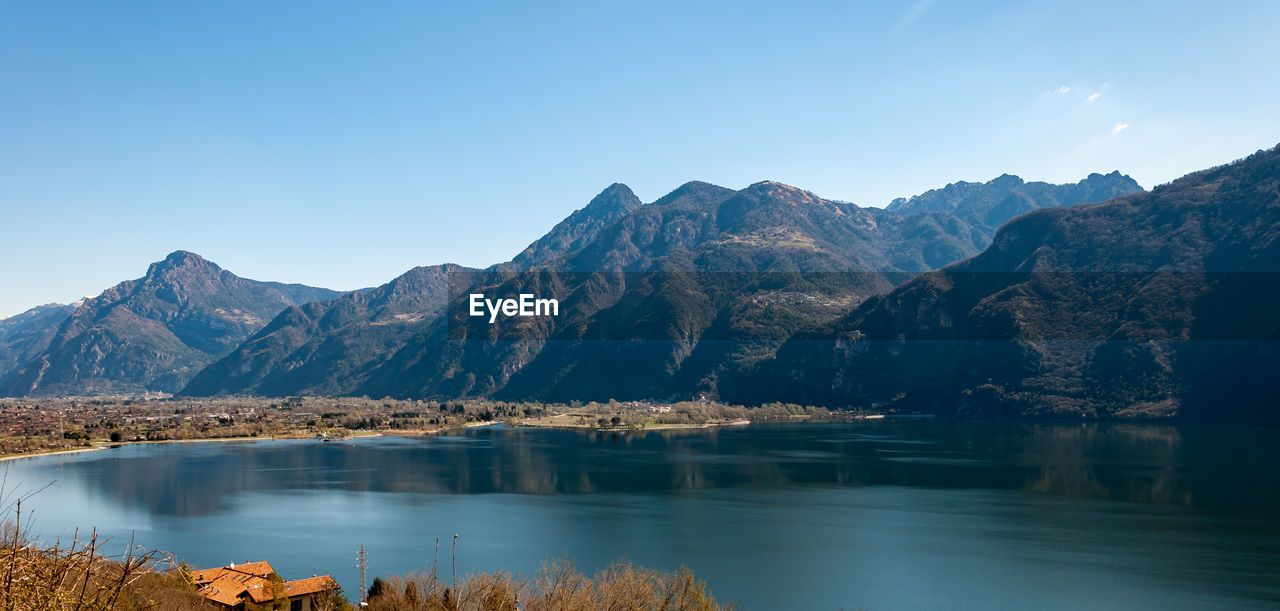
point(880, 515)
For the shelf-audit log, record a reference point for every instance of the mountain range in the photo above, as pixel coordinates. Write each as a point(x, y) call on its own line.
point(1153, 304)
point(149, 334)
point(622, 270)
point(1007, 297)
point(995, 202)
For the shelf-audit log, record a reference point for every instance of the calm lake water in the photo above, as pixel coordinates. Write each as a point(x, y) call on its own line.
point(883, 515)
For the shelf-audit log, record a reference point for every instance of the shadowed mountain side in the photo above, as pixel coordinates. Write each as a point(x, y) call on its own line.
point(702, 263)
point(1151, 305)
point(329, 344)
point(698, 256)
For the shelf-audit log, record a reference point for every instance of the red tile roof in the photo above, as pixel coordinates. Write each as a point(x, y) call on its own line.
point(231, 584)
point(260, 569)
point(297, 587)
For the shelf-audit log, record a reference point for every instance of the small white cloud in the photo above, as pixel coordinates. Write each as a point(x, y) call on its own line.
point(1062, 89)
point(1093, 98)
point(1119, 128)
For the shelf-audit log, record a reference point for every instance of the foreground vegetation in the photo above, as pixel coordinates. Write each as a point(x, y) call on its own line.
point(80, 576)
point(558, 586)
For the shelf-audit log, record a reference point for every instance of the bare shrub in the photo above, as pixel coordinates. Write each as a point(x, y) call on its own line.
point(558, 586)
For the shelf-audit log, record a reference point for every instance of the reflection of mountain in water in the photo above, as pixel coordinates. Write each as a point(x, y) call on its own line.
point(1144, 463)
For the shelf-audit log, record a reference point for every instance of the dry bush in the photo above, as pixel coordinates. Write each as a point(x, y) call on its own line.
point(498, 591)
point(81, 576)
point(621, 586)
point(559, 586)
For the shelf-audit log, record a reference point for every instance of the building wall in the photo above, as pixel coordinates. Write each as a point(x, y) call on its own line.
point(283, 606)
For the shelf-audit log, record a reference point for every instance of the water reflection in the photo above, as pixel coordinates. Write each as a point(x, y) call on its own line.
point(905, 514)
point(1210, 467)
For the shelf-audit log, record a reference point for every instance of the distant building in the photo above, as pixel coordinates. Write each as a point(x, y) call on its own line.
point(255, 586)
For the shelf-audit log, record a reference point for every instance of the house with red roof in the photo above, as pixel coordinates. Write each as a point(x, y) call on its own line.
point(255, 586)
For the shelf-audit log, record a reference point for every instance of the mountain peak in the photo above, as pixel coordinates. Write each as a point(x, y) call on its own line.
point(179, 259)
point(996, 201)
point(617, 197)
point(695, 189)
point(616, 188)
point(583, 225)
point(183, 256)
point(773, 185)
point(694, 185)
point(1114, 177)
point(154, 333)
point(783, 192)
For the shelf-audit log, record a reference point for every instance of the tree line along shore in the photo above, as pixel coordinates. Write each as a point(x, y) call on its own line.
point(37, 426)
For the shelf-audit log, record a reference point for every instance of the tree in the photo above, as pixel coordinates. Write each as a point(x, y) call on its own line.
point(278, 592)
point(332, 600)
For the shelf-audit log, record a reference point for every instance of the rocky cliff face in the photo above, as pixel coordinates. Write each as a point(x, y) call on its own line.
point(25, 335)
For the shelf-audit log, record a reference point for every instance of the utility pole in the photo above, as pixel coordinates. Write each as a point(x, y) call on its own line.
point(362, 562)
point(435, 560)
point(453, 581)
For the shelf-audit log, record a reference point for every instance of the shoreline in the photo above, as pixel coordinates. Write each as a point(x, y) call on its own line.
point(92, 448)
point(107, 445)
point(407, 433)
point(430, 432)
point(655, 427)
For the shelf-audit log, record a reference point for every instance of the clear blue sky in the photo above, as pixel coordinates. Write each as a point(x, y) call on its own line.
point(341, 143)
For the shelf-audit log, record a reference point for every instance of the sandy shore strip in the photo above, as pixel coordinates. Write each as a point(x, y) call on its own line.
point(106, 445)
point(552, 423)
point(53, 452)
